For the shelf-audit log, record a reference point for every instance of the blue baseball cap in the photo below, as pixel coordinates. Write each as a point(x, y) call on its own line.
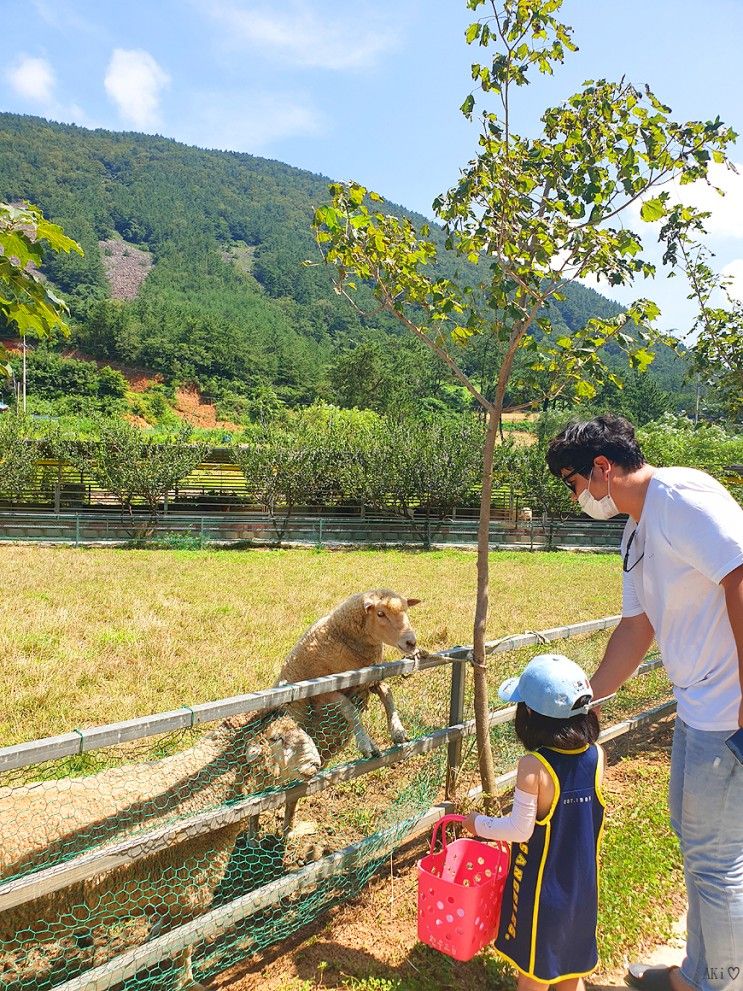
point(550, 684)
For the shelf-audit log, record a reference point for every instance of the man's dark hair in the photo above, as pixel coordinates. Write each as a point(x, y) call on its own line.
point(535, 730)
point(577, 446)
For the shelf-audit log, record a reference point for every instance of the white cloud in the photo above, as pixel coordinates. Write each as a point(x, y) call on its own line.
point(32, 78)
point(343, 36)
point(726, 211)
point(734, 272)
point(248, 121)
point(134, 81)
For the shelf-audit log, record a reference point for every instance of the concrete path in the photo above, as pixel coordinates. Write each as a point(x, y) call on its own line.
point(666, 954)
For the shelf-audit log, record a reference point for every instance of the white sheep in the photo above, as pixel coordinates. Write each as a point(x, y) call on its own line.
point(351, 636)
point(50, 821)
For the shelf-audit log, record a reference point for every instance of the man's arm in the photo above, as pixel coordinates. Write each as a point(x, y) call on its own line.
point(625, 650)
point(733, 587)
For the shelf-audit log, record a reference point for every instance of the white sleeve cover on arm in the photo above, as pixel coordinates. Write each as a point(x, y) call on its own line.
point(516, 828)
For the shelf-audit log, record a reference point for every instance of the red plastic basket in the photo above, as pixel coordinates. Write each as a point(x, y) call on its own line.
point(460, 890)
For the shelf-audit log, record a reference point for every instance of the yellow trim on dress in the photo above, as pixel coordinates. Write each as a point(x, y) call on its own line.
point(600, 837)
point(548, 830)
point(552, 980)
point(597, 783)
point(537, 894)
point(551, 771)
point(538, 890)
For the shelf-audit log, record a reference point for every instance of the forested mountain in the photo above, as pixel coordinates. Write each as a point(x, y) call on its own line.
point(225, 300)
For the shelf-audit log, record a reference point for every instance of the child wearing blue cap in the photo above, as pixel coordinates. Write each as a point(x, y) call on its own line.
point(548, 920)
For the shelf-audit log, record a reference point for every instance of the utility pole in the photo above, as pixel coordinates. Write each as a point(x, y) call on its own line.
point(24, 373)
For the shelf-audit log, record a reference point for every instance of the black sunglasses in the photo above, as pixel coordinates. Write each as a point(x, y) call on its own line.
point(626, 569)
point(575, 471)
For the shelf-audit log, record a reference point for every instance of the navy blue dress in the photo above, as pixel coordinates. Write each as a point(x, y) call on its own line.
point(550, 904)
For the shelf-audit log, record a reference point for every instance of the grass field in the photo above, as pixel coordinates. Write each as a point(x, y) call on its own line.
point(89, 636)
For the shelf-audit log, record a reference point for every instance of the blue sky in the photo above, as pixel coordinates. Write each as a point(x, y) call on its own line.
point(364, 90)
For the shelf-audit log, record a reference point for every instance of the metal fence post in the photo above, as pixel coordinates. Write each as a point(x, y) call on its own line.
point(456, 716)
point(58, 489)
point(203, 530)
point(77, 529)
point(319, 532)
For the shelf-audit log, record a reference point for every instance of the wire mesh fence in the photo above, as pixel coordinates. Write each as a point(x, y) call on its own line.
point(156, 853)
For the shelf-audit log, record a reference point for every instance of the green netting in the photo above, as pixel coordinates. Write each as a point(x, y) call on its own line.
point(54, 815)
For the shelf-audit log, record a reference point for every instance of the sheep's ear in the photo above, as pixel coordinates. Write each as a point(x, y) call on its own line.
point(413, 602)
point(371, 601)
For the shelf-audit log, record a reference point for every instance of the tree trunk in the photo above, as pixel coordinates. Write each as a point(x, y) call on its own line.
point(482, 707)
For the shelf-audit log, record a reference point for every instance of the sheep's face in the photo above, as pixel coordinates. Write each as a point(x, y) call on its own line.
point(387, 620)
point(293, 752)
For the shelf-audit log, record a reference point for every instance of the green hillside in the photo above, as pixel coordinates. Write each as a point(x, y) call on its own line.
point(219, 239)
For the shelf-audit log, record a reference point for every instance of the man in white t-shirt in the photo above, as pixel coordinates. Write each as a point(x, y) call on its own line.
point(682, 560)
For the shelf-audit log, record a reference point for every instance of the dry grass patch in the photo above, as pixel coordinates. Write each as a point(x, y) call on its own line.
point(98, 635)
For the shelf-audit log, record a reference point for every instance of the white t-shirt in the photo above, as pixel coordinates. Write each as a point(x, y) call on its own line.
point(691, 535)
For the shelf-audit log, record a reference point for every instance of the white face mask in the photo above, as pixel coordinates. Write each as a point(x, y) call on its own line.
point(599, 509)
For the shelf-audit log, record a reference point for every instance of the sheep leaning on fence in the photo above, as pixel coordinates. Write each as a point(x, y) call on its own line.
point(52, 821)
point(351, 636)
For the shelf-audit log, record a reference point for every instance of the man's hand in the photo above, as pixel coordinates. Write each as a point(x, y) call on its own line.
point(627, 646)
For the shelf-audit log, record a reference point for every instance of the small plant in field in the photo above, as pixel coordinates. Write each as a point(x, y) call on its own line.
point(372, 984)
point(295, 985)
point(179, 542)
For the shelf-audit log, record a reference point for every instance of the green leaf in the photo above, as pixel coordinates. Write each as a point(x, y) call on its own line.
point(472, 32)
point(653, 210)
point(584, 389)
point(356, 194)
point(468, 106)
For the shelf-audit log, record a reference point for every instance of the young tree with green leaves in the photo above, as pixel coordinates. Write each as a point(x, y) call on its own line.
point(423, 469)
point(134, 466)
point(527, 215)
point(27, 302)
point(548, 497)
point(19, 445)
point(303, 465)
point(717, 350)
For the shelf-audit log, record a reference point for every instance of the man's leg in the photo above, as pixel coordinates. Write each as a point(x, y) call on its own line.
point(712, 844)
point(694, 965)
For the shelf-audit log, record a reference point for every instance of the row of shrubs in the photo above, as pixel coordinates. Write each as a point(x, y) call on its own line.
point(419, 469)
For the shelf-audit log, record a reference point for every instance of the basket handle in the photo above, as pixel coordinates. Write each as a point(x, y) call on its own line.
point(442, 823)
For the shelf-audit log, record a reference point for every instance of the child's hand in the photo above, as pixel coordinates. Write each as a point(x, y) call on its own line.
point(468, 825)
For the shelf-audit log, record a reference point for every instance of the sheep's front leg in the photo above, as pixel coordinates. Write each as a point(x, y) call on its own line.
point(350, 713)
point(396, 728)
point(182, 962)
point(186, 980)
